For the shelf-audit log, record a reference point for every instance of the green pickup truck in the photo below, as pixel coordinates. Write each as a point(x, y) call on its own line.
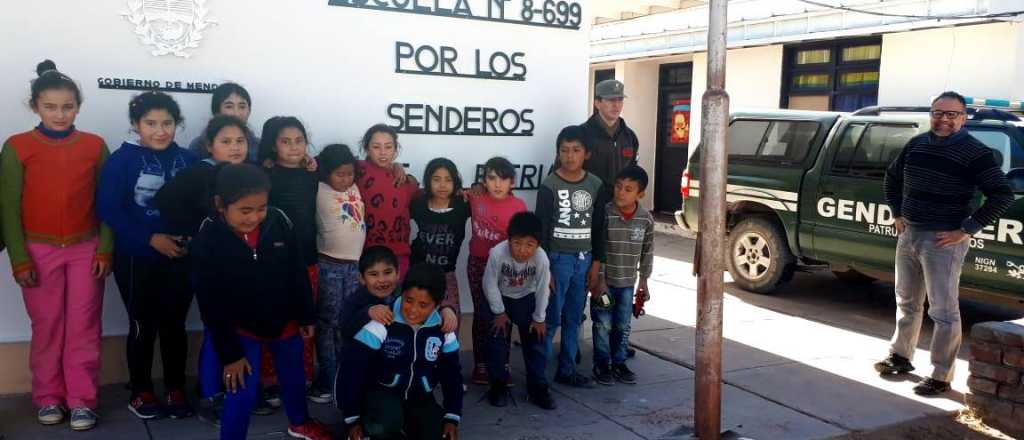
point(805, 188)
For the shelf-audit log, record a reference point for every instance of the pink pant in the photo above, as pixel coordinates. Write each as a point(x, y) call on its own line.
point(65, 310)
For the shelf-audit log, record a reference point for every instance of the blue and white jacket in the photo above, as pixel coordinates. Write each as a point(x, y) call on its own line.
point(411, 361)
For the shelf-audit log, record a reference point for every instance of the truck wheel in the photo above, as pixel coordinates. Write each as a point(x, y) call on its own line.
point(853, 277)
point(759, 257)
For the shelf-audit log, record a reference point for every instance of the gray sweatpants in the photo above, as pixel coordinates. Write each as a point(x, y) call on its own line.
point(924, 269)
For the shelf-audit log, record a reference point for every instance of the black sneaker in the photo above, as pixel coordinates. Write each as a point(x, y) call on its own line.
point(263, 408)
point(540, 395)
point(623, 374)
point(931, 387)
point(145, 406)
point(603, 375)
point(894, 364)
point(497, 395)
point(272, 396)
point(319, 395)
point(575, 380)
point(211, 409)
point(176, 406)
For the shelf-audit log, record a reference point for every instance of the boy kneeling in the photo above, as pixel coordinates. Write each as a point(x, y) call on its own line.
point(387, 376)
point(516, 284)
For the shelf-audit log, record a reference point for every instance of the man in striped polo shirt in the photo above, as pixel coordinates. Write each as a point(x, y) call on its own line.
point(930, 187)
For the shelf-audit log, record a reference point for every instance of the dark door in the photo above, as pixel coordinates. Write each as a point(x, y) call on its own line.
point(672, 148)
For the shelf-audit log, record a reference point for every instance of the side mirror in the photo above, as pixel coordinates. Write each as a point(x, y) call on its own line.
point(1016, 179)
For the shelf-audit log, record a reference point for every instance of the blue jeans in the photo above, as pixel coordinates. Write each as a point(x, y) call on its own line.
point(924, 270)
point(338, 281)
point(520, 314)
point(291, 377)
point(565, 309)
point(611, 327)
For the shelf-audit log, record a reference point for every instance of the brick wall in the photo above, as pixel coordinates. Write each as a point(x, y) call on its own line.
point(997, 375)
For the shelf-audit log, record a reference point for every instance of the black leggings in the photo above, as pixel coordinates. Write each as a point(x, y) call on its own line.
point(157, 296)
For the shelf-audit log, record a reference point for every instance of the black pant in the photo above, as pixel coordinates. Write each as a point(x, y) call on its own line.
point(157, 296)
point(520, 314)
point(388, 416)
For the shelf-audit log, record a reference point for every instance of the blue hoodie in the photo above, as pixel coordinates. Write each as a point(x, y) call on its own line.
point(130, 178)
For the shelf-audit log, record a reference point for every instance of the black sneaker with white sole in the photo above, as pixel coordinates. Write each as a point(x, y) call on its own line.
point(540, 395)
point(145, 406)
point(931, 387)
point(498, 394)
point(603, 375)
point(623, 374)
point(211, 409)
point(894, 364)
point(574, 380)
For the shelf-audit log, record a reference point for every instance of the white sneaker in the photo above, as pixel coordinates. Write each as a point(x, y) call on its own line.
point(50, 415)
point(83, 419)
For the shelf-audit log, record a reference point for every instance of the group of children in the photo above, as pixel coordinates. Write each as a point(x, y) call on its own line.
point(309, 280)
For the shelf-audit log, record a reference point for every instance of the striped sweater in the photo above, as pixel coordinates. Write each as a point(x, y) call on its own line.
point(629, 245)
point(933, 180)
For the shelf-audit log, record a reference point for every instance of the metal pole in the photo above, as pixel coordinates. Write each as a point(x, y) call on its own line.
point(711, 261)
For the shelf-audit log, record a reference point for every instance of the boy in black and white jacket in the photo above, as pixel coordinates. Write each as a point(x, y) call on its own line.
point(387, 376)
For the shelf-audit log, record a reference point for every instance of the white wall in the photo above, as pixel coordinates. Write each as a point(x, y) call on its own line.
point(753, 79)
point(333, 67)
point(641, 112)
point(984, 61)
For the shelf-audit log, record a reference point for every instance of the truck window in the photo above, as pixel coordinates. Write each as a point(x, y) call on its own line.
point(788, 140)
point(878, 146)
point(745, 137)
point(847, 144)
point(1006, 147)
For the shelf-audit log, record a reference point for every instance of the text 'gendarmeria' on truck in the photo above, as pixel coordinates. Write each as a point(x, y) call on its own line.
point(805, 188)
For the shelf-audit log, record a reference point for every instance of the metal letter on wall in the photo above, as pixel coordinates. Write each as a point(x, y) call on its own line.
point(171, 27)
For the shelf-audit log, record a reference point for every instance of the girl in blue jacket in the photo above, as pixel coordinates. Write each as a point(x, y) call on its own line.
point(148, 261)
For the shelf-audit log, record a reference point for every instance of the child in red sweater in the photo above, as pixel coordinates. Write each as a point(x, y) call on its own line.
point(387, 193)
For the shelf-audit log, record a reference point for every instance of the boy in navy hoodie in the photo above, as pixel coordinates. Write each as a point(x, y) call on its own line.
point(378, 276)
point(385, 386)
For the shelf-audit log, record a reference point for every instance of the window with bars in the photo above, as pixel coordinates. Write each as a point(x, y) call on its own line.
point(840, 75)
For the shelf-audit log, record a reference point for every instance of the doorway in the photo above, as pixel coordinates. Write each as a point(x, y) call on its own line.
point(672, 148)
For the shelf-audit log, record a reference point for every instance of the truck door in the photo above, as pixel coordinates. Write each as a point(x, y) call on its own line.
point(996, 258)
point(853, 223)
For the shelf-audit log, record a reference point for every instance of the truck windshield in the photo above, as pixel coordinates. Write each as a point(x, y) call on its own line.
point(1008, 151)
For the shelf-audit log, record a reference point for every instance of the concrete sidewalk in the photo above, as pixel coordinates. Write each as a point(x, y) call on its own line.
point(661, 402)
point(786, 377)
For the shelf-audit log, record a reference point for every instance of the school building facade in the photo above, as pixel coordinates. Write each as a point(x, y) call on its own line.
point(787, 54)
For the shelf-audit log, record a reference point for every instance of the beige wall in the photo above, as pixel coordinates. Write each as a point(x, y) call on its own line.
point(753, 80)
point(15, 376)
point(984, 61)
point(641, 112)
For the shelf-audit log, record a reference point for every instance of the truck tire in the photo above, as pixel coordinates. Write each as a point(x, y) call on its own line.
point(851, 276)
point(758, 256)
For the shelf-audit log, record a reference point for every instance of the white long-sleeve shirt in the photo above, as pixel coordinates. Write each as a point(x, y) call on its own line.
point(505, 276)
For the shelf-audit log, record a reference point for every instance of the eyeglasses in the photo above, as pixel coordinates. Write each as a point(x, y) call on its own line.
point(939, 114)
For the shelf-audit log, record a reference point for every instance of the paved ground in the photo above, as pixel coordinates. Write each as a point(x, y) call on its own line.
point(797, 366)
